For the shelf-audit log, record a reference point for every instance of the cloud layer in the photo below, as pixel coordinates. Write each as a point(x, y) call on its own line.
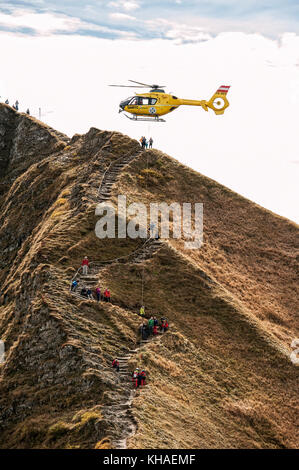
point(251, 149)
point(185, 21)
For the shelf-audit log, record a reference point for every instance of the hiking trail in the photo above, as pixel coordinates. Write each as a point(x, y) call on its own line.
point(118, 411)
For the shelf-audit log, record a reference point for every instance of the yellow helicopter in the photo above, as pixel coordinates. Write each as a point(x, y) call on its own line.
point(150, 106)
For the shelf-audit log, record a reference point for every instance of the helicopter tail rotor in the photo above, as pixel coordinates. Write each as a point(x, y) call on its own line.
point(218, 102)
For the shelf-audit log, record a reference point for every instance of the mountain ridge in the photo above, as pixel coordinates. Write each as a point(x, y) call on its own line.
point(232, 314)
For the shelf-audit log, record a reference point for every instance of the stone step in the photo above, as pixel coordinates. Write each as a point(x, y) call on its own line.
point(88, 277)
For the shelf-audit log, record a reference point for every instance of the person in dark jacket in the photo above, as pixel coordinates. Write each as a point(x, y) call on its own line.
point(83, 292)
point(98, 294)
point(89, 294)
point(141, 378)
point(144, 331)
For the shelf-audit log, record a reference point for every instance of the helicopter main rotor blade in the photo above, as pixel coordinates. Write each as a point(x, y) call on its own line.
point(140, 83)
point(149, 86)
point(128, 86)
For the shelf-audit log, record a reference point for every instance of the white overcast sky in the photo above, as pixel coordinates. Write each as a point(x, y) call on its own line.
point(62, 61)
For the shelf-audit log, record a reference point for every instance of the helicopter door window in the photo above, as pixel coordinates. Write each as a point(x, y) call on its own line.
point(152, 101)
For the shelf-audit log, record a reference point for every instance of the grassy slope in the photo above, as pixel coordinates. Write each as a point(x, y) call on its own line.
point(219, 378)
point(243, 325)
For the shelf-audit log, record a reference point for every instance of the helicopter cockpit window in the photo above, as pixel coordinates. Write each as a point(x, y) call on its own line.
point(134, 101)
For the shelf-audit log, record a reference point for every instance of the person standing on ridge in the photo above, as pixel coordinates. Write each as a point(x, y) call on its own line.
point(98, 294)
point(89, 294)
point(84, 265)
point(107, 295)
point(142, 378)
point(150, 325)
point(83, 292)
point(135, 377)
point(27, 111)
point(144, 331)
point(150, 143)
point(142, 311)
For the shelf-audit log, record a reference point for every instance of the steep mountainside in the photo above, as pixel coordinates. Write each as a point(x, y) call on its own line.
point(221, 377)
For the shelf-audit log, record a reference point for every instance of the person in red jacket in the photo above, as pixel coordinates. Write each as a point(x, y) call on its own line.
point(141, 378)
point(84, 265)
point(107, 295)
point(115, 364)
point(155, 330)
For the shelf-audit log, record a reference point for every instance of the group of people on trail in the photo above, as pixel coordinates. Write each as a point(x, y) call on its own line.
point(146, 143)
point(138, 377)
point(16, 106)
point(152, 327)
point(96, 294)
point(146, 329)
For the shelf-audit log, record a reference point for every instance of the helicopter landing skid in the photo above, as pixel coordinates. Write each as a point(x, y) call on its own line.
point(145, 118)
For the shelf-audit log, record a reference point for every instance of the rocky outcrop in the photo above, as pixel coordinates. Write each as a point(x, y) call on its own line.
point(23, 141)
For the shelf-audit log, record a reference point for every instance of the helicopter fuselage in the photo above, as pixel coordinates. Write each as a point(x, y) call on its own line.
point(158, 103)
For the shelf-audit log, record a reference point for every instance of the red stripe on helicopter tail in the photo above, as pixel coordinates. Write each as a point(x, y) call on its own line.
point(223, 89)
